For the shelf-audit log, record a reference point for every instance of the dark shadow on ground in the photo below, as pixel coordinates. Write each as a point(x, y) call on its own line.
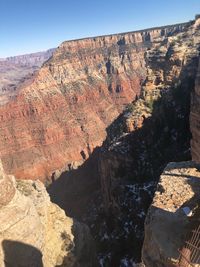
point(74, 189)
point(18, 254)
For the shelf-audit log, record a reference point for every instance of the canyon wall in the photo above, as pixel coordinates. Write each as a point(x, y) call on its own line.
point(195, 111)
point(194, 119)
point(36, 232)
point(59, 115)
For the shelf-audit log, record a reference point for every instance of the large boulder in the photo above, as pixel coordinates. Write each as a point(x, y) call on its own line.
point(169, 217)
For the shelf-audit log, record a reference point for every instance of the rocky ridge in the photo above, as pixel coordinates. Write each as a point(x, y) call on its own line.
point(14, 70)
point(36, 232)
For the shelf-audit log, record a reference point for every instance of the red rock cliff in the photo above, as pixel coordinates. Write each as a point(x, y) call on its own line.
point(60, 115)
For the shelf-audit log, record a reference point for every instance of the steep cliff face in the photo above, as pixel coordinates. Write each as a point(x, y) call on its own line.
point(14, 70)
point(194, 114)
point(36, 232)
point(194, 119)
point(60, 115)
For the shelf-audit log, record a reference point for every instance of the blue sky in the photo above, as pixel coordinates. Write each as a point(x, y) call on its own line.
point(34, 25)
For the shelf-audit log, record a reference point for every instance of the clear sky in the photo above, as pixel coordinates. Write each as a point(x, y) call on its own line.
point(34, 25)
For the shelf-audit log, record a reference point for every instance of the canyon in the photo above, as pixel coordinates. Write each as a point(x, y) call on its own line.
point(60, 115)
point(97, 124)
point(152, 131)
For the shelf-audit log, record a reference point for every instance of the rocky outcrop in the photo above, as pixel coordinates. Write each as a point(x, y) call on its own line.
point(35, 232)
point(170, 215)
point(60, 115)
point(34, 59)
point(14, 70)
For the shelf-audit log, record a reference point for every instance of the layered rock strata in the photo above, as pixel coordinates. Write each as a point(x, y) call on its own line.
point(170, 214)
point(36, 233)
point(60, 115)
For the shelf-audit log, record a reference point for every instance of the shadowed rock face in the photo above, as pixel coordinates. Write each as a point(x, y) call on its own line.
point(195, 111)
point(194, 119)
point(60, 115)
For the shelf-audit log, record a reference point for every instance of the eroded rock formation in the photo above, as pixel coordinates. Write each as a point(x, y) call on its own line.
point(60, 115)
point(35, 232)
point(169, 217)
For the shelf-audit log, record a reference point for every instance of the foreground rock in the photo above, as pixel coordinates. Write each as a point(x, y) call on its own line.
point(169, 216)
point(34, 232)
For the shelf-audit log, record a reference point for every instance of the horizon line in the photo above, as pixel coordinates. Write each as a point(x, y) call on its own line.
point(101, 36)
